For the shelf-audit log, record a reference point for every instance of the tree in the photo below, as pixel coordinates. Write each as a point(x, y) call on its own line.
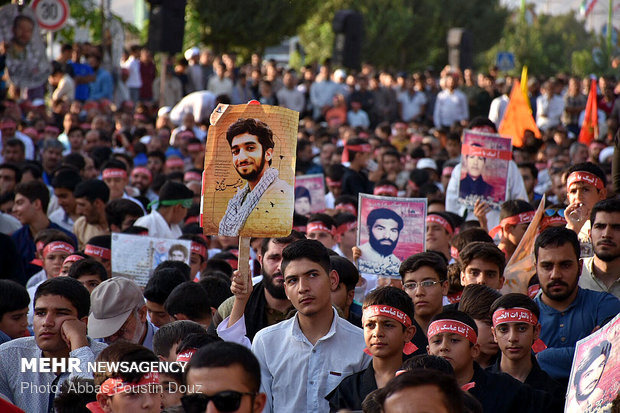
point(406, 34)
point(547, 46)
point(244, 25)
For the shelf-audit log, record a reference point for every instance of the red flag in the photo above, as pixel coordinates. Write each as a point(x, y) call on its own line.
point(518, 117)
point(589, 128)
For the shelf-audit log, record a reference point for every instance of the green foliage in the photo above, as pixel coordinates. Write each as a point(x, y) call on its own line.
point(405, 34)
point(244, 25)
point(550, 45)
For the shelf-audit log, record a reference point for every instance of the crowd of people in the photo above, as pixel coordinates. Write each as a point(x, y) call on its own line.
point(99, 151)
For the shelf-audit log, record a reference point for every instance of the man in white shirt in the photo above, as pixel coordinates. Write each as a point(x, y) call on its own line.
point(289, 96)
point(302, 359)
point(499, 104)
point(549, 107)
point(451, 104)
point(174, 201)
point(134, 79)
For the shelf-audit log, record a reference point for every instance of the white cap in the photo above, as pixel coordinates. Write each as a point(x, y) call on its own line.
point(425, 163)
point(191, 52)
point(164, 110)
point(606, 154)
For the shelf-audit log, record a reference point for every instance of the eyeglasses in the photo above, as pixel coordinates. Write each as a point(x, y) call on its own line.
point(412, 285)
point(551, 212)
point(224, 401)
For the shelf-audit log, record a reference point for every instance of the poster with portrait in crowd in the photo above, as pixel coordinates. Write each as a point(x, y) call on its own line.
point(595, 375)
point(136, 256)
point(22, 44)
point(309, 194)
point(249, 171)
point(485, 158)
point(389, 230)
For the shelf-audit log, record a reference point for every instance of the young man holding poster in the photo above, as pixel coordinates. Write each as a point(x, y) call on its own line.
point(252, 147)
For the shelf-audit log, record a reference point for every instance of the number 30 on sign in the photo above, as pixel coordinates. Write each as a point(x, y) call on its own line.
point(51, 14)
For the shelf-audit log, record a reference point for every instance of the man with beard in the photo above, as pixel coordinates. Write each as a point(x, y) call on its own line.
point(251, 144)
point(567, 313)
point(602, 271)
point(384, 226)
point(266, 304)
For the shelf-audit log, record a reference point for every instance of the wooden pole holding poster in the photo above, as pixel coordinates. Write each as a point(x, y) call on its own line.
point(244, 262)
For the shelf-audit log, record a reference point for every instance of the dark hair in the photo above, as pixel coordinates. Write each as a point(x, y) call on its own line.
point(458, 316)
point(344, 218)
point(484, 251)
point(88, 266)
point(74, 159)
point(114, 164)
point(515, 300)
point(216, 264)
point(335, 171)
point(425, 259)
point(75, 394)
point(514, 207)
point(226, 354)
point(66, 179)
point(347, 272)
point(392, 296)
point(302, 192)
point(123, 351)
point(607, 205)
point(69, 288)
point(33, 167)
point(172, 333)
point(185, 270)
point(464, 238)
point(446, 384)
point(254, 127)
point(92, 190)
point(589, 167)
point(217, 289)
point(383, 213)
point(480, 121)
point(117, 209)
point(196, 341)
point(557, 237)
point(14, 168)
point(476, 301)
point(531, 167)
point(354, 142)
point(292, 237)
point(189, 298)
point(13, 297)
point(306, 248)
point(161, 284)
point(325, 219)
point(34, 190)
point(426, 361)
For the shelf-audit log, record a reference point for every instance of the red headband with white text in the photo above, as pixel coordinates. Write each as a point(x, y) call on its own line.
point(452, 327)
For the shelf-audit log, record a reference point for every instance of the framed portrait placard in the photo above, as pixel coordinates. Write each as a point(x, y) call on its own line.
point(309, 194)
point(249, 174)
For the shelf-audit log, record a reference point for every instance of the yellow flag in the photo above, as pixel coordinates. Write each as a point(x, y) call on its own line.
point(517, 118)
point(524, 86)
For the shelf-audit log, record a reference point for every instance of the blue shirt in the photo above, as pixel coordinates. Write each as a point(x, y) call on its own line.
point(81, 90)
point(25, 245)
point(103, 86)
point(562, 329)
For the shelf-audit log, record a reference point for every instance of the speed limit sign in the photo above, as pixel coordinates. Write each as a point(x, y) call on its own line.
point(51, 14)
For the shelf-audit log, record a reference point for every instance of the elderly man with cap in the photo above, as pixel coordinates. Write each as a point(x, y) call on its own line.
point(118, 311)
point(163, 221)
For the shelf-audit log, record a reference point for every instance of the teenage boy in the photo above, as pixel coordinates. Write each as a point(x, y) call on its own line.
point(61, 308)
point(174, 201)
point(476, 302)
point(585, 186)
point(425, 280)
point(482, 263)
point(14, 302)
point(198, 255)
point(322, 228)
point(301, 358)
point(515, 216)
point(89, 272)
point(346, 230)
point(64, 183)
point(439, 231)
point(157, 290)
point(516, 329)
point(355, 180)
point(189, 301)
point(388, 329)
point(343, 296)
point(453, 335)
point(90, 198)
point(168, 337)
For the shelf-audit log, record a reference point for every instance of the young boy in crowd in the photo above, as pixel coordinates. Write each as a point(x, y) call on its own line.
point(89, 272)
point(388, 329)
point(476, 302)
point(515, 216)
point(516, 330)
point(14, 302)
point(342, 297)
point(424, 280)
point(482, 263)
point(453, 335)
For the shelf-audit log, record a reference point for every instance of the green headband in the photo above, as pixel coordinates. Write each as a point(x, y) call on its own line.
point(185, 203)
